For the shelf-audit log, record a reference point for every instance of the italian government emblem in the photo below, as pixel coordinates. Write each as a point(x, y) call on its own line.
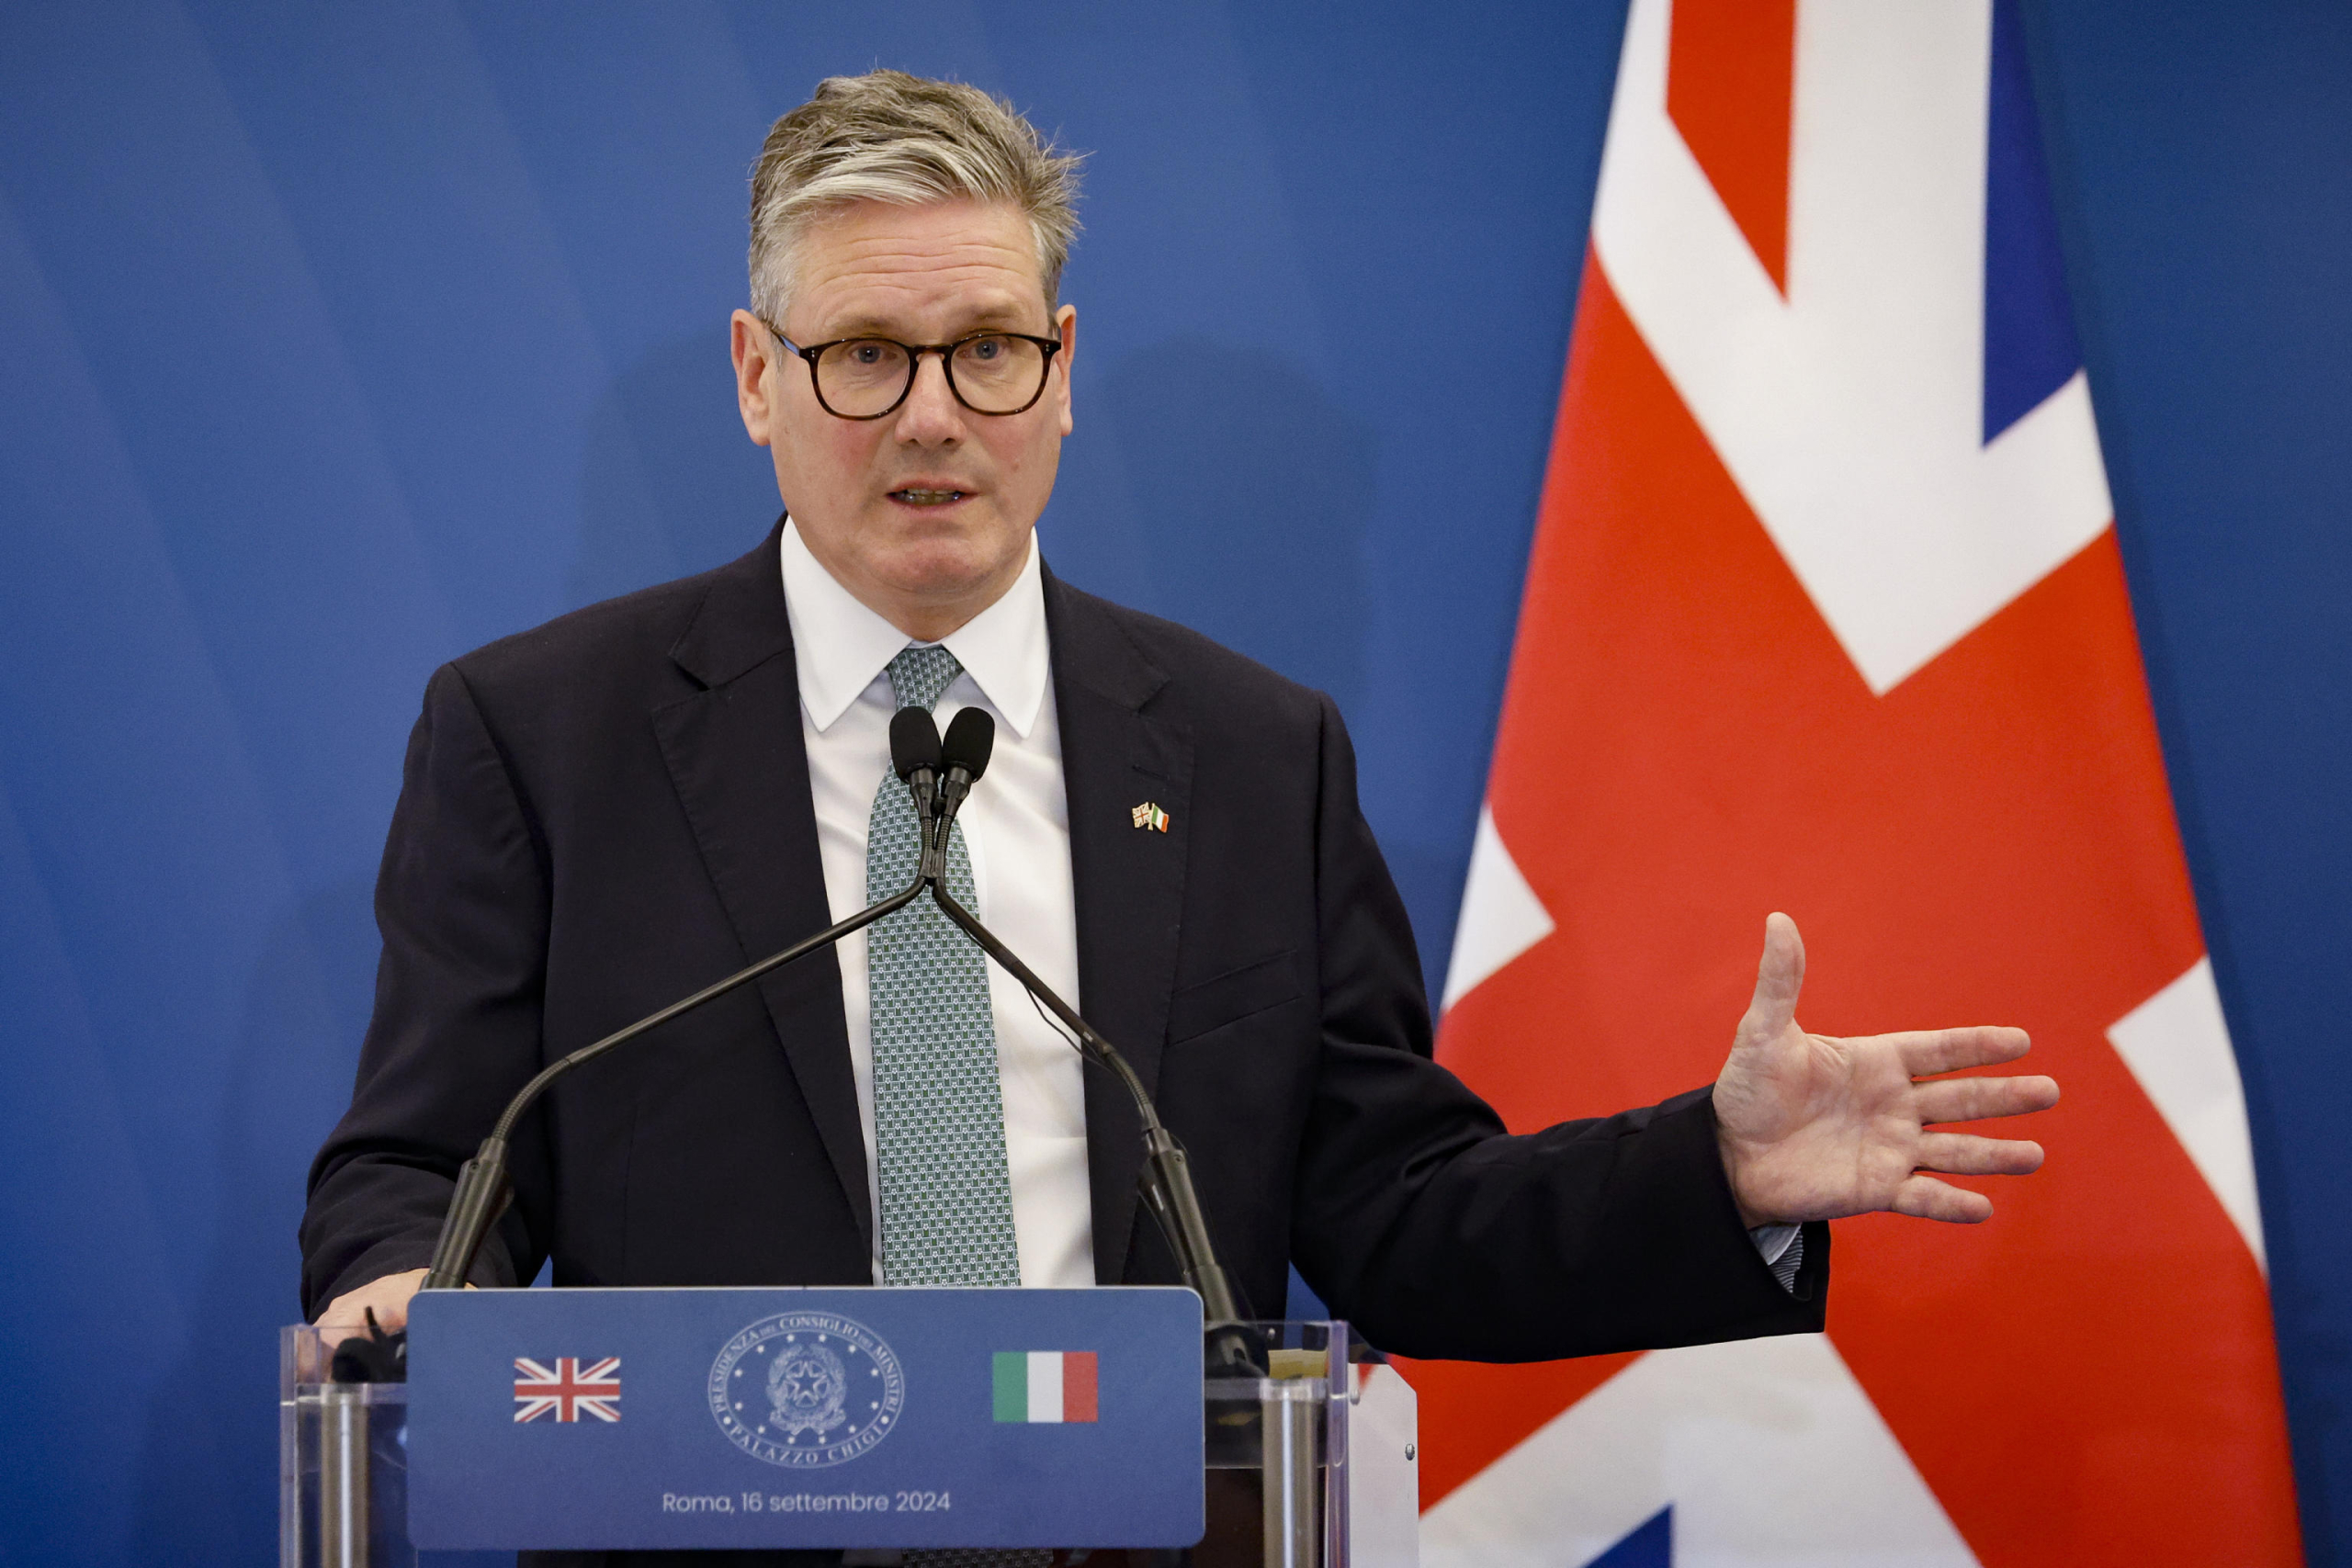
point(807, 1389)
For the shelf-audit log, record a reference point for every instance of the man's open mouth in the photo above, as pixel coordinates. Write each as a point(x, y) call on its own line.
point(928, 497)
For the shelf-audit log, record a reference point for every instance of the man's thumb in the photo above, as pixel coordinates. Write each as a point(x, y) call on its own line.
point(1780, 976)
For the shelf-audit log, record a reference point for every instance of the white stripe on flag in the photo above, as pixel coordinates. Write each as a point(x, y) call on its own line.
point(1768, 1450)
point(2177, 1044)
point(1501, 917)
point(1045, 1385)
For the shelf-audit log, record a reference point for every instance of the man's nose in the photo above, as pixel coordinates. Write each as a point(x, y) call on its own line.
point(931, 413)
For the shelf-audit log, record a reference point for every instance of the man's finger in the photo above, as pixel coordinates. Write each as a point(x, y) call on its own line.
point(388, 1295)
point(1927, 1052)
point(1780, 976)
point(1923, 1197)
point(1973, 1099)
point(351, 1311)
point(1963, 1154)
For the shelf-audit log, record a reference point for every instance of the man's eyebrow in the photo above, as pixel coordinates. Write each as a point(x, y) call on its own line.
point(1007, 317)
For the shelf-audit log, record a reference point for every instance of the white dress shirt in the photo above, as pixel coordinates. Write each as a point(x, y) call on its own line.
point(1016, 828)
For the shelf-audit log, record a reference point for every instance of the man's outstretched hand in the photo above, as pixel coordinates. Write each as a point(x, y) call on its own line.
point(1815, 1128)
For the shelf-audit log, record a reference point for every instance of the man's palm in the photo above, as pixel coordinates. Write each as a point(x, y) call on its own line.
point(1817, 1128)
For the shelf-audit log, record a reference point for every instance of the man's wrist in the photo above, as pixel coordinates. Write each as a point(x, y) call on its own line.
point(1728, 1149)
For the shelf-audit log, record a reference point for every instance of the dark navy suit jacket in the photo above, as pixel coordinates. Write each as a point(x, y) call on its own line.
point(606, 813)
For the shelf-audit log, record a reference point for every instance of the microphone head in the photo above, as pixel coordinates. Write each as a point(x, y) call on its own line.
point(971, 736)
point(914, 741)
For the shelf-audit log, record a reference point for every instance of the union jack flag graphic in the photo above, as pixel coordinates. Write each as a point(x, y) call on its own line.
point(567, 1390)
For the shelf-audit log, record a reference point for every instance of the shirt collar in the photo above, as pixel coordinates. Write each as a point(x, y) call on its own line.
point(839, 645)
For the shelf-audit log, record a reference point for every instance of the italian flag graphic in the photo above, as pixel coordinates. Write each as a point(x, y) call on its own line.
point(1045, 1385)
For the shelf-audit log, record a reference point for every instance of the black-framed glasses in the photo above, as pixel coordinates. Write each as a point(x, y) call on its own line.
point(866, 377)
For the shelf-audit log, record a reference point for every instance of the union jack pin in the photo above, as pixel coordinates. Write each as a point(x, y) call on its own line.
point(567, 1390)
point(1148, 815)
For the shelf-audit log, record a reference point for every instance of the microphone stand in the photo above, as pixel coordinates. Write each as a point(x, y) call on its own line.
point(1231, 1348)
point(483, 1191)
point(1166, 1179)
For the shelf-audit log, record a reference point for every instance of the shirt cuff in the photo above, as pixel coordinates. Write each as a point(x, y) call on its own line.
point(1782, 1249)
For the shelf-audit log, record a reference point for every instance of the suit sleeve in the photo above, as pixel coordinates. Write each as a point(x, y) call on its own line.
point(462, 903)
point(1438, 1233)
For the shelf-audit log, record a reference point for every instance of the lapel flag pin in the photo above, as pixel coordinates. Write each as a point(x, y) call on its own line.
point(1149, 815)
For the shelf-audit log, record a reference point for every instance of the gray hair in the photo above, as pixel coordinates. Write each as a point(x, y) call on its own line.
point(906, 140)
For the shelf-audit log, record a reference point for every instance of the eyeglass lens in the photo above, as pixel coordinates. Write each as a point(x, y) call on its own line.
point(993, 375)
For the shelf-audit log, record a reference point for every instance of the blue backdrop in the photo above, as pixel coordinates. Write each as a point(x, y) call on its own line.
point(334, 341)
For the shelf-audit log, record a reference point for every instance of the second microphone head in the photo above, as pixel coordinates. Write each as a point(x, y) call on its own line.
point(971, 736)
point(914, 741)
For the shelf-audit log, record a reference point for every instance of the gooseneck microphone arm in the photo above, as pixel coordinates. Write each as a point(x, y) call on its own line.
point(1166, 1179)
point(483, 1191)
point(1166, 1172)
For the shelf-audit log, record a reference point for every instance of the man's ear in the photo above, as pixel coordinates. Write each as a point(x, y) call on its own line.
point(1066, 329)
point(751, 345)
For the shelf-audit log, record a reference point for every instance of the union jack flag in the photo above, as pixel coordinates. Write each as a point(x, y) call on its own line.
point(1826, 612)
point(567, 1388)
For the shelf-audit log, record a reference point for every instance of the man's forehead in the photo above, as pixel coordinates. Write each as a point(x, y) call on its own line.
point(874, 268)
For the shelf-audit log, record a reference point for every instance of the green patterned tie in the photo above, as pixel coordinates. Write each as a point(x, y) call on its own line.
point(938, 1109)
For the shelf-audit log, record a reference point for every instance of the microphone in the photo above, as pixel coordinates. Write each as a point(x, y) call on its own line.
point(1230, 1348)
point(971, 741)
point(914, 756)
point(971, 736)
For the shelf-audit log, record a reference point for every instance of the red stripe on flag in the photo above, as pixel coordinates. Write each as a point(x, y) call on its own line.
point(1078, 1386)
point(1730, 68)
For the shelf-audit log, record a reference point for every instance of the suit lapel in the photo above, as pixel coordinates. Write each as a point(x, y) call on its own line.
point(1129, 881)
point(737, 757)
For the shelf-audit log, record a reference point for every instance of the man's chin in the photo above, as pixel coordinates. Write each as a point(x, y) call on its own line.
point(963, 571)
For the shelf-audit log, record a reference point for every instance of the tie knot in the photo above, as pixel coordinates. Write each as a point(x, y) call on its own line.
point(919, 674)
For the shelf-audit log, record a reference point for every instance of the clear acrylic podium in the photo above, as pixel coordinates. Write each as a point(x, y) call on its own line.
point(1314, 1466)
point(342, 1459)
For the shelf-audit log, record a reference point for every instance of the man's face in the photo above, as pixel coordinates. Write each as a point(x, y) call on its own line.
point(923, 514)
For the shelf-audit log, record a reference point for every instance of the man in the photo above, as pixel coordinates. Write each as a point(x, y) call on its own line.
point(610, 811)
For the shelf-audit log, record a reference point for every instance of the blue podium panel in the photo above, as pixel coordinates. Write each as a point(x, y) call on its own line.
point(615, 1419)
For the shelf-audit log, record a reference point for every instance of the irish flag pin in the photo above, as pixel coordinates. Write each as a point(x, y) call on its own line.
point(1148, 815)
point(1045, 1385)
